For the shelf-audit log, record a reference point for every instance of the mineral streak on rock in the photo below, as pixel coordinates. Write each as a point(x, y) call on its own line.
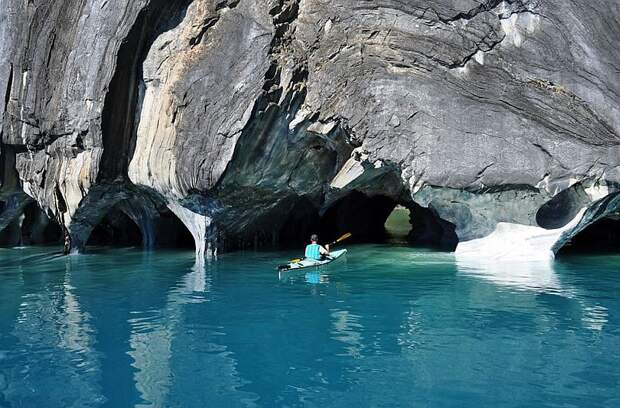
point(260, 120)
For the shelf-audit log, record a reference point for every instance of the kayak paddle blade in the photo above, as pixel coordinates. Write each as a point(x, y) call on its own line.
point(342, 238)
point(345, 236)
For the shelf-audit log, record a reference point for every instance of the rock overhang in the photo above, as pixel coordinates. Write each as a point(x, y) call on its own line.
point(480, 113)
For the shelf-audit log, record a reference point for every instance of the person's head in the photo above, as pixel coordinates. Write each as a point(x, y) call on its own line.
point(314, 238)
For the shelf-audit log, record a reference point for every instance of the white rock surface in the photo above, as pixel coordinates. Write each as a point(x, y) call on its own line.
point(515, 242)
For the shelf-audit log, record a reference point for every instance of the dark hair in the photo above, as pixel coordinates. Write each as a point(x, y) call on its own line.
point(314, 237)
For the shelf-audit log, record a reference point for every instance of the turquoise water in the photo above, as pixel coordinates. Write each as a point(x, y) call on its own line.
point(388, 326)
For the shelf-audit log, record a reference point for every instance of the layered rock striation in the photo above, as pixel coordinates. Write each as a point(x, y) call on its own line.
point(258, 121)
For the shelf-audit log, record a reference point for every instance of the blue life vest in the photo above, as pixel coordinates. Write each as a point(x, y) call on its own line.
point(313, 251)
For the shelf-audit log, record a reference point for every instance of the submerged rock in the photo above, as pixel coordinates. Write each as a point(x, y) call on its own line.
point(259, 121)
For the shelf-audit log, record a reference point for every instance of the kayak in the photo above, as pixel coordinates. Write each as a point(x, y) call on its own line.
point(311, 263)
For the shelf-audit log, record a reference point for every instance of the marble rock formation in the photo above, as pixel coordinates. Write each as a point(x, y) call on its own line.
point(258, 121)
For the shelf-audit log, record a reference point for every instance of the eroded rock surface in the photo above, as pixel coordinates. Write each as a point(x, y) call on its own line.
point(255, 121)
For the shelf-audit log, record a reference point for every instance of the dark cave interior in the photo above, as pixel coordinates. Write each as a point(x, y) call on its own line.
point(365, 217)
point(601, 237)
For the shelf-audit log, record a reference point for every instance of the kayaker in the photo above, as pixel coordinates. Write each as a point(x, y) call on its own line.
point(316, 251)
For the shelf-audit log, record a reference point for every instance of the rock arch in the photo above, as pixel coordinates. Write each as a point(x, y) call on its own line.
point(361, 214)
point(563, 207)
point(38, 228)
point(116, 228)
point(22, 222)
point(602, 236)
point(553, 223)
point(120, 208)
point(596, 227)
point(11, 209)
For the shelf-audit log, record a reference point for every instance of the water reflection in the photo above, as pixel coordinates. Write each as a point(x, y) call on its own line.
point(595, 317)
point(316, 278)
point(150, 343)
point(153, 332)
point(410, 329)
point(347, 329)
point(150, 330)
point(54, 340)
point(164, 346)
point(536, 275)
point(198, 280)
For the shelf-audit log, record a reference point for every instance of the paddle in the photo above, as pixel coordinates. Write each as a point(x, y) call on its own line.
point(342, 238)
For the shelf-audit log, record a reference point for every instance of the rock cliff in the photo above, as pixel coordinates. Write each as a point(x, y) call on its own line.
point(258, 121)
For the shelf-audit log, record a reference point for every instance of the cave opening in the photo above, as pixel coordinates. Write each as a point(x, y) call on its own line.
point(375, 219)
point(11, 235)
point(429, 230)
point(38, 228)
point(116, 229)
point(398, 224)
point(362, 215)
point(601, 237)
point(162, 230)
point(562, 208)
point(302, 221)
point(172, 233)
point(31, 227)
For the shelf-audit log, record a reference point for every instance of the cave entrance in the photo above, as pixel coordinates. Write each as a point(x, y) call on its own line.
point(162, 229)
point(601, 237)
point(371, 219)
point(429, 230)
point(381, 219)
point(303, 220)
point(116, 229)
point(11, 235)
point(362, 215)
point(31, 227)
point(38, 228)
point(172, 233)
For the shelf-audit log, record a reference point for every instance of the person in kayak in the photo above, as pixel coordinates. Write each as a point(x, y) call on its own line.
point(316, 251)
